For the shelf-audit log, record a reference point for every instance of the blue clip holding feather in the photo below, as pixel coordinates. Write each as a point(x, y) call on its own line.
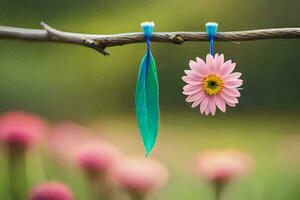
point(211, 29)
point(147, 28)
point(147, 94)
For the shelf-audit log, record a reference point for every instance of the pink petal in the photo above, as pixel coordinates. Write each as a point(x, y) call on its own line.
point(210, 63)
point(207, 111)
point(233, 76)
point(194, 97)
point(233, 84)
point(189, 87)
point(219, 62)
point(216, 57)
point(192, 73)
point(227, 68)
point(202, 68)
point(196, 103)
point(220, 103)
point(212, 105)
point(204, 104)
point(191, 80)
point(191, 92)
point(231, 104)
point(187, 72)
point(195, 77)
point(229, 99)
point(232, 92)
point(221, 59)
point(195, 66)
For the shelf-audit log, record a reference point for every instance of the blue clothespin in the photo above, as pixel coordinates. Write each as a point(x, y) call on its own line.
point(211, 29)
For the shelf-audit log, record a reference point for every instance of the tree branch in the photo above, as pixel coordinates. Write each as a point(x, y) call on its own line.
point(100, 42)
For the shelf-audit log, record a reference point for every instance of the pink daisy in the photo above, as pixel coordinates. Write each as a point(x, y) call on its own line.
point(220, 167)
point(96, 157)
point(140, 176)
point(51, 191)
point(212, 84)
point(20, 130)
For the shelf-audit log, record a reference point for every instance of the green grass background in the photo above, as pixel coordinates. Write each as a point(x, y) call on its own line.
point(272, 140)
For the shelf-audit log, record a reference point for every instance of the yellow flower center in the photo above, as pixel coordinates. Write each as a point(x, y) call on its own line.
point(212, 84)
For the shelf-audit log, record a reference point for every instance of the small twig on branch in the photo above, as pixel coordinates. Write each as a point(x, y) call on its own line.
point(61, 36)
point(100, 42)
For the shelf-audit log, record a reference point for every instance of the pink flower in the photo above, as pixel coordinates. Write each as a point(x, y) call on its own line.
point(65, 137)
point(140, 175)
point(222, 166)
point(212, 84)
point(20, 129)
point(51, 191)
point(96, 158)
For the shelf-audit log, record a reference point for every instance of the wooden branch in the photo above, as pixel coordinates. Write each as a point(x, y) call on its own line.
point(100, 42)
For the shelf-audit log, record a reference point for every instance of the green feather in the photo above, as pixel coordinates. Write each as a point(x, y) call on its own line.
point(147, 101)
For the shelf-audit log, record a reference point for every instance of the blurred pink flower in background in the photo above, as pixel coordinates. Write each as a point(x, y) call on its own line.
point(51, 191)
point(139, 176)
point(96, 157)
point(65, 137)
point(20, 130)
point(77, 146)
point(220, 167)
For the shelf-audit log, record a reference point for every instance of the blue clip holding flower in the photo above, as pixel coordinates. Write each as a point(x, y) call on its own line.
point(147, 28)
point(211, 29)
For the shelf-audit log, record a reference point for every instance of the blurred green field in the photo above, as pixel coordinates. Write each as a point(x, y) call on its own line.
point(271, 139)
point(180, 138)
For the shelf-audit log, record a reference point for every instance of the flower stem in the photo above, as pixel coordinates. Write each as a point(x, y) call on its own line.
point(99, 188)
point(137, 196)
point(218, 191)
point(17, 174)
